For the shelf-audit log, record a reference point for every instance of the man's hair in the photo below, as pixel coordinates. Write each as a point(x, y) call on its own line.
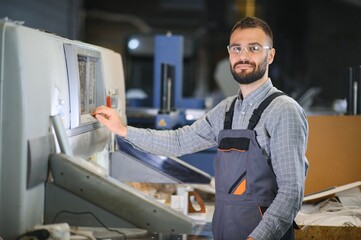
point(253, 22)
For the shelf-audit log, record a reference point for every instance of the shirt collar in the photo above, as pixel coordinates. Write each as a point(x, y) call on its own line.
point(257, 95)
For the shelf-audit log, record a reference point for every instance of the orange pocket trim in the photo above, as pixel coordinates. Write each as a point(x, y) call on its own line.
point(241, 188)
point(231, 149)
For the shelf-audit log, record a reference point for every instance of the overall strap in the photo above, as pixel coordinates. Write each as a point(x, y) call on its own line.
point(229, 116)
point(258, 111)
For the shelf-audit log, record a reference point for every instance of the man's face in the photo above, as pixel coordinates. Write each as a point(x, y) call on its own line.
point(249, 55)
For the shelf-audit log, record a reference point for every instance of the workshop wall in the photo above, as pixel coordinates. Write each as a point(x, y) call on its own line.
point(64, 18)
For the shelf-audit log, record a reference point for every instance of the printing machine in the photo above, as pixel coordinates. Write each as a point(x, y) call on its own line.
point(58, 164)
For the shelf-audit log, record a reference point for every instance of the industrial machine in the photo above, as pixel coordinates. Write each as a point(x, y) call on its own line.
point(55, 157)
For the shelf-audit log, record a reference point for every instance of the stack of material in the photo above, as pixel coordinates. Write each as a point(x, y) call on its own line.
point(331, 214)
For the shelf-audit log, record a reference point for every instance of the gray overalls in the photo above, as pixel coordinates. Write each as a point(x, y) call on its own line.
point(245, 182)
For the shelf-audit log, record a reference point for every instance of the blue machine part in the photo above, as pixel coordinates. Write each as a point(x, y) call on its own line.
point(168, 49)
point(169, 57)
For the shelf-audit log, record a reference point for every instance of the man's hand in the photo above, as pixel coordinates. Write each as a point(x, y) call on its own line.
point(110, 119)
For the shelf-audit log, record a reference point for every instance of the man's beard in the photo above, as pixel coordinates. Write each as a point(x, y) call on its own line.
point(247, 78)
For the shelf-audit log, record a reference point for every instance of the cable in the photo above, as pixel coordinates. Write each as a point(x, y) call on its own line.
point(95, 217)
point(40, 234)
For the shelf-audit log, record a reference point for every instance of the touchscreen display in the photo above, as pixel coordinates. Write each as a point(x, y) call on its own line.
point(87, 78)
point(86, 85)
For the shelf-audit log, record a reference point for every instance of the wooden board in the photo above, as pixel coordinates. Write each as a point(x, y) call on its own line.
point(333, 151)
point(328, 233)
point(316, 197)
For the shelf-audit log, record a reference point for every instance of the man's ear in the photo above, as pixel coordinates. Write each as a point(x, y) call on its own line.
point(271, 55)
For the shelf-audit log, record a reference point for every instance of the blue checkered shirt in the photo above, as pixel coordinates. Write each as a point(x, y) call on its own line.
point(282, 133)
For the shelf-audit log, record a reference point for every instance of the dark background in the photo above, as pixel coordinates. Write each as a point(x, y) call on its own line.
point(315, 40)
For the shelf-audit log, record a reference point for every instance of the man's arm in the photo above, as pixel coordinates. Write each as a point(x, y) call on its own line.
point(288, 130)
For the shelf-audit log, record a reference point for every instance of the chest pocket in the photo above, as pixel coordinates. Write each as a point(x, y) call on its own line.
point(240, 144)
